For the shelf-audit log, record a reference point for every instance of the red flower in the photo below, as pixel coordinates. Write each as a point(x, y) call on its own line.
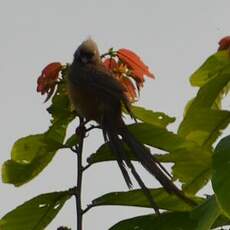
point(110, 63)
point(224, 43)
point(121, 71)
point(48, 79)
point(133, 61)
point(129, 87)
point(129, 70)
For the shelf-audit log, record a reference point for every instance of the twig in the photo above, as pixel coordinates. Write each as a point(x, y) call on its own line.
point(93, 127)
point(79, 150)
point(75, 149)
point(86, 167)
point(87, 208)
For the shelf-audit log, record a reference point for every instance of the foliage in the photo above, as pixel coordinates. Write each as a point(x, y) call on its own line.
point(40, 210)
point(191, 149)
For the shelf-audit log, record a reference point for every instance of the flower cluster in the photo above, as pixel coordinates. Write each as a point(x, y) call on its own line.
point(224, 43)
point(48, 79)
point(129, 70)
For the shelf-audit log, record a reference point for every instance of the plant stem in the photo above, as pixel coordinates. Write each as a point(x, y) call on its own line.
point(79, 176)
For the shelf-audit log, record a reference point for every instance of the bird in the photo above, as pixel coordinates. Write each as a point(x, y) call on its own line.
point(97, 95)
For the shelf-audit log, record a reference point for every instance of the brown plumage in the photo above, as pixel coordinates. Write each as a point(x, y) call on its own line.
point(97, 95)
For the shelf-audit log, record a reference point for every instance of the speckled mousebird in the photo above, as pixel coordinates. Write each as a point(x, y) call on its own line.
point(97, 95)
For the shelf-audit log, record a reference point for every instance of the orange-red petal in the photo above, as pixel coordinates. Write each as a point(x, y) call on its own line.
point(224, 43)
point(110, 63)
point(130, 88)
point(52, 70)
point(133, 61)
point(47, 80)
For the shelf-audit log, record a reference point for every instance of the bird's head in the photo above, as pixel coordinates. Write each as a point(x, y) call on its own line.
point(87, 53)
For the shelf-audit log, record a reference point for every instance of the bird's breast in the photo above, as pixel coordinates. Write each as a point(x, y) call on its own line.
point(85, 101)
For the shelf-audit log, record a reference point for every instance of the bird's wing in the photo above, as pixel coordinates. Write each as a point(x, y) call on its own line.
point(106, 85)
point(105, 82)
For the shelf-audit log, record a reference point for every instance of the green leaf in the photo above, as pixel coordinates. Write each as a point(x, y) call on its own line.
point(31, 154)
point(104, 154)
point(221, 221)
point(195, 125)
point(206, 214)
point(221, 173)
point(210, 68)
point(36, 213)
point(137, 198)
point(27, 148)
point(165, 221)
point(213, 67)
point(19, 174)
point(155, 118)
point(71, 141)
point(203, 125)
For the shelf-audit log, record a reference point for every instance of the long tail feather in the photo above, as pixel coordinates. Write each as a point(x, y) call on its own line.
point(145, 190)
point(114, 146)
point(117, 148)
point(151, 165)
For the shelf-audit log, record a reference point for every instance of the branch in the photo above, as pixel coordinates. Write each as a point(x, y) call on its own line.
point(78, 150)
point(87, 208)
point(86, 167)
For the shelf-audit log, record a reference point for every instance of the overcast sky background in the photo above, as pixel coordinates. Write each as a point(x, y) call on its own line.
point(172, 37)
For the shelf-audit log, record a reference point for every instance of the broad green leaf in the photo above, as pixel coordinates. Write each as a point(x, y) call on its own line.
point(203, 125)
point(36, 213)
point(104, 154)
point(192, 162)
point(71, 141)
point(24, 150)
point(196, 126)
point(221, 174)
point(206, 214)
point(221, 221)
point(31, 154)
point(165, 221)
point(210, 68)
point(213, 67)
point(19, 173)
point(155, 118)
point(187, 106)
point(183, 169)
point(137, 198)
point(27, 148)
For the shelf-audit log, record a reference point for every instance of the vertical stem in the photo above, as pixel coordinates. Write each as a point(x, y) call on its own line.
point(79, 176)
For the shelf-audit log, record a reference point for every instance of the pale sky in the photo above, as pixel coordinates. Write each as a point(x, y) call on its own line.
point(172, 37)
